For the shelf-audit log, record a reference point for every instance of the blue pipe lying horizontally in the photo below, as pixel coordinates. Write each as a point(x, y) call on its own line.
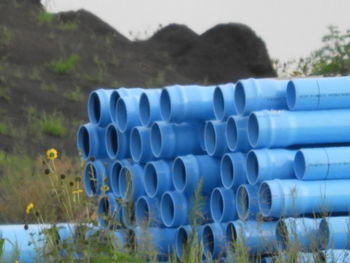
point(157, 178)
point(293, 197)
point(282, 128)
point(268, 164)
point(299, 233)
point(147, 212)
point(222, 205)
point(183, 237)
point(319, 93)
point(109, 211)
point(131, 182)
point(127, 113)
point(223, 101)
point(98, 107)
point(214, 240)
point(113, 174)
point(247, 202)
point(128, 214)
point(334, 233)
point(323, 163)
point(187, 103)
point(214, 138)
point(192, 171)
point(116, 143)
point(149, 107)
point(140, 144)
point(258, 237)
point(90, 141)
point(236, 134)
point(95, 176)
point(258, 94)
point(233, 170)
point(169, 140)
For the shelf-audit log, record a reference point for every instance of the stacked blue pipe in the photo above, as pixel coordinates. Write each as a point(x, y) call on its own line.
point(258, 162)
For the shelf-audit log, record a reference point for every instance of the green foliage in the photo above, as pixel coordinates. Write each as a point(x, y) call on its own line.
point(4, 130)
point(65, 66)
point(4, 93)
point(68, 26)
point(74, 95)
point(6, 36)
point(43, 17)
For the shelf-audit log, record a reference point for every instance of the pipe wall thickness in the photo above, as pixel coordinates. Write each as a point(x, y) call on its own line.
point(233, 170)
point(214, 138)
point(149, 107)
point(158, 178)
point(236, 134)
point(98, 107)
point(223, 101)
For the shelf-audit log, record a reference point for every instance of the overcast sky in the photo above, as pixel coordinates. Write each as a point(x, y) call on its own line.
point(290, 28)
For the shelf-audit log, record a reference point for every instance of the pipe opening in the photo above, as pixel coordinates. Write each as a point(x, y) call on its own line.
point(282, 234)
point(156, 139)
point(219, 104)
point(144, 110)
point(128, 214)
point(231, 234)
point(112, 140)
point(291, 95)
point(136, 144)
point(243, 202)
point(131, 240)
point(217, 205)
point(142, 211)
point(208, 241)
point(299, 165)
point(210, 138)
point(114, 178)
point(121, 115)
point(179, 175)
point(94, 108)
point(151, 180)
point(227, 171)
point(253, 129)
point(84, 141)
point(165, 105)
point(265, 199)
point(231, 134)
point(92, 178)
point(324, 234)
point(240, 98)
point(181, 241)
point(167, 209)
point(252, 167)
point(125, 183)
point(113, 104)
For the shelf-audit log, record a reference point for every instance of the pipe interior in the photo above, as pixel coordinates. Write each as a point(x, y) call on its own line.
point(179, 174)
point(243, 202)
point(231, 133)
point(156, 139)
point(253, 129)
point(217, 205)
point(84, 140)
point(144, 109)
point(240, 98)
point(291, 95)
point(91, 172)
point(112, 139)
point(210, 137)
point(181, 240)
point(95, 108)
point(122, 114)
point(142, 210)
point(265, 199)
point(167, 209)
point(104, 206)
point(227, 171)
point(299, 165)
point(165, 105)
point(208, 240)
point(231, 234)
point(131, 239)
point(151, 179)
point(324, 234)
point(219, 103)
point(125, 182)
point(136, 144)
point(116, 167)
point(252, 167)
point(113, 103)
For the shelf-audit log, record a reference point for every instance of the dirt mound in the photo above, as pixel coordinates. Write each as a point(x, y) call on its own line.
point(50, 63)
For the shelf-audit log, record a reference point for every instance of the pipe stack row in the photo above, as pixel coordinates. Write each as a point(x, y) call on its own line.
point(237, 162)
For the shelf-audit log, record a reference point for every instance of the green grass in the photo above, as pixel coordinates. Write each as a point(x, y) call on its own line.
point(4, 129)
point(44, 17)
point(68, 26)
point(65, 65)
point(75, 95)
point(5, 93)
point(6, 36)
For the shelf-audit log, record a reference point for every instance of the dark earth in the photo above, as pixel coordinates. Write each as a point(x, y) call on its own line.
point(32, 40)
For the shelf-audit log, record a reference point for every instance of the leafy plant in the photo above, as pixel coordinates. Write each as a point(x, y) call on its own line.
point(65, 66)
point(43, 17)
point(74, 95)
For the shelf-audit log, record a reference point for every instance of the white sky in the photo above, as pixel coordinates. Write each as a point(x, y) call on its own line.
point(290, 28)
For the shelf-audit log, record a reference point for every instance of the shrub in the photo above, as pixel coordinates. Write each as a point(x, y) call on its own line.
point(65, 66)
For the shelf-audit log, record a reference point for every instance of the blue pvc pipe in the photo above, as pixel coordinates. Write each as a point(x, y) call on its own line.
point(192, 171)
point(334, 233)
point(116, 143)
point(336, 255)
point(140, 144)
point(120, 93)
point(323, 163)
point(174, 209)
point(214, 138)
point(127, 113)
point(273, 129)
point(157, 178)
point(95, 176)
point(233, 170)
point(131, 181)
point(98, 107)
point(109, 211)
point(293, 197)
point(223, 100)
point(214, 240)
point(319, 93)
point(258, 237)
point(113, 174)
point(182, 238)
point(268, 164)
point(149, 107)
point(258, 94)
point(247, 202)
point(128, 214)
point(169, 140)
point(90, 141)
point(222, 205)
point(300, 233)
point(147, 212)
point(187, 103)
point(236, 134)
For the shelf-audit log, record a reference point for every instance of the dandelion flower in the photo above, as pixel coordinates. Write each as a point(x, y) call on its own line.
point(78, 191)
point(104, 188)
point(51, 154)
point(29, 208)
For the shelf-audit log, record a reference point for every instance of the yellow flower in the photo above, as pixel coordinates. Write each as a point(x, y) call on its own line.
point(78, 191)
point(17, 261)
point(29, 208)
point(104, 188)
point(51, 154)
